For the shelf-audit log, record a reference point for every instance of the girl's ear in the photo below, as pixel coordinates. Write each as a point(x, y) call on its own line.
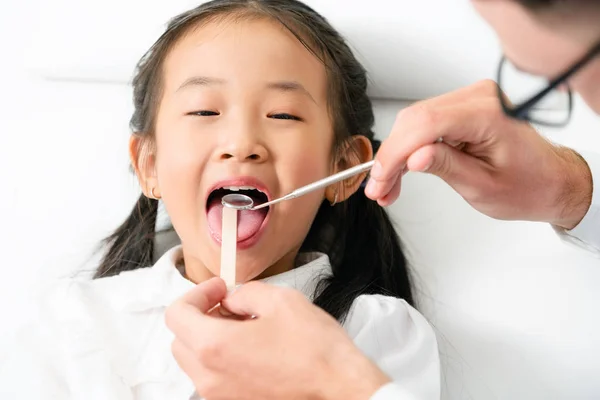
point(356, 150)
point(143, 160)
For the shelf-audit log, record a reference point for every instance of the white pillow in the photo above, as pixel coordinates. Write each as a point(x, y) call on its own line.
point(412, 49)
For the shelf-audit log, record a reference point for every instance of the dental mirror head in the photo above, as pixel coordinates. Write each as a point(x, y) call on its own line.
point(237, 201)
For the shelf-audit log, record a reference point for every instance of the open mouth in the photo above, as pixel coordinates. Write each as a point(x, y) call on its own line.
point(249, 222)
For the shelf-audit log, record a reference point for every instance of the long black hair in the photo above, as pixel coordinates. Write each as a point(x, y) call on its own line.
point(357, 234)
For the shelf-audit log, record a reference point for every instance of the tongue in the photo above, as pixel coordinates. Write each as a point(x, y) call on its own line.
point(249, 222)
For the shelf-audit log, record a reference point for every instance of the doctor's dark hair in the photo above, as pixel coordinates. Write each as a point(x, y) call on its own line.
point(544, 4)
point(563, 7)
point(357, 234)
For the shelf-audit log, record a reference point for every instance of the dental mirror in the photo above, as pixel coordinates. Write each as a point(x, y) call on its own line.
point(237, 201)
point(243, 202)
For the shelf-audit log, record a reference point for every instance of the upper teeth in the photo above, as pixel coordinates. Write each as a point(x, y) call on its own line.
point(238, 188)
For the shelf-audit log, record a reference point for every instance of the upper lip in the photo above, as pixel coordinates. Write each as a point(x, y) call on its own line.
point(240, 181)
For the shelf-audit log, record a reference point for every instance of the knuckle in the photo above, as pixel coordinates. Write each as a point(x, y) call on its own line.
point(291, 298)
point(253, 286)
point(256, 289)
point(284, 296)
point(488, 86)
point(418, 112)
point(493, 107)
point(281, 295)
point(425, 117)
point(475, 195)
point(402, 115)
point(209, 353)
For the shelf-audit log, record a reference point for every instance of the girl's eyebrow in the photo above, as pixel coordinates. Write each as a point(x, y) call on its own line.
point(200, 81)
point(290, 86)
point(285, 86)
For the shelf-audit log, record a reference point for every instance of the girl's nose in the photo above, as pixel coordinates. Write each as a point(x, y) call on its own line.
point(244, 148)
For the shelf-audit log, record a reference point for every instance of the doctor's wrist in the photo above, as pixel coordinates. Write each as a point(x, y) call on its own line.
point(575, 190)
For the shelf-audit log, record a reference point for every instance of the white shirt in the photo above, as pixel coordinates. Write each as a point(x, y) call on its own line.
point(586, 234)
point(107, 339)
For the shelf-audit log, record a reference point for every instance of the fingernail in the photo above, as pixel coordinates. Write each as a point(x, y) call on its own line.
point(224, 312)
point(376, 170)
point(427, 166)
point(369, 190)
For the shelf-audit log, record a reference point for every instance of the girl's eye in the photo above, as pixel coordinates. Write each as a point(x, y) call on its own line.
point(285, 116)
point(204, 113)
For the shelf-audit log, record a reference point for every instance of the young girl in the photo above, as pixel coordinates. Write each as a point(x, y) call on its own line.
point(259, 96)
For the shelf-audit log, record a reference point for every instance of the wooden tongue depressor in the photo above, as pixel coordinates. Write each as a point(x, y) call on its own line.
point(229, 246)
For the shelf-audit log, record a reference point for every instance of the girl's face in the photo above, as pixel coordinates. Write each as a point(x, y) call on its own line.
point(244, 105)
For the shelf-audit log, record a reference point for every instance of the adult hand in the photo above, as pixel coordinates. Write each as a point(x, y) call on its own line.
point(502, 167)
point(291, 350)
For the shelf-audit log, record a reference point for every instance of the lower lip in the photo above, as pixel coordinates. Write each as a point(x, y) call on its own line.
point(252, 240)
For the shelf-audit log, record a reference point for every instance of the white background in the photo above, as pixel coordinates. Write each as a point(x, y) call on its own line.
point(516, 310)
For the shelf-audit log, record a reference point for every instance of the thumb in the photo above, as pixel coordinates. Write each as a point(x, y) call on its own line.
point(206, 295)
point(253, 298)
point(188, 317)
point(454, 166)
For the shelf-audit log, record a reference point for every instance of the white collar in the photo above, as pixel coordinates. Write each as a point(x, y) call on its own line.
point(160, 285)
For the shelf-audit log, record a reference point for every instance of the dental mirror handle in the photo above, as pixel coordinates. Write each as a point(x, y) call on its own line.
point(340, 176)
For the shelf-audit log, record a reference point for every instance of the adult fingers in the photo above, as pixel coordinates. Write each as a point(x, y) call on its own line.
point(187, 317)
point(185, 357)
point(393, 193)
point(221, 312)
point(257, 299)
point(463, 172)
point(190, 363)
point(206, 295)
point(422, 126)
